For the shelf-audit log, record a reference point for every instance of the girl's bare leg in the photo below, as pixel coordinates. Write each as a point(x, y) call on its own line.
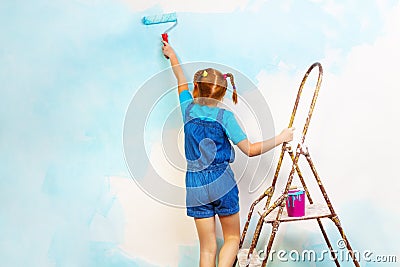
point(231, 231)
point(208, 243)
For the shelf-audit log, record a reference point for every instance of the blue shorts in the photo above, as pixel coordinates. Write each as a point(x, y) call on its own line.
point(211, 191)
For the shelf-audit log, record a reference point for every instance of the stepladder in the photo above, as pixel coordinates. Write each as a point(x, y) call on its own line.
point(274, 212)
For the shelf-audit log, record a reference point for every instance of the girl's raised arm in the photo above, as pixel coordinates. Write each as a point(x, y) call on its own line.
point(176, 67)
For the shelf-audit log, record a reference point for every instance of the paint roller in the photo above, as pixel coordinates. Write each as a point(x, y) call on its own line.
point(159, 19)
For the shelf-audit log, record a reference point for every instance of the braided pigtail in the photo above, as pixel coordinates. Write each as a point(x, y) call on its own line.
point(234, 94)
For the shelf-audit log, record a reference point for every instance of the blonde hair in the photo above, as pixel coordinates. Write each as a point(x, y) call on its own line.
point(211, 84)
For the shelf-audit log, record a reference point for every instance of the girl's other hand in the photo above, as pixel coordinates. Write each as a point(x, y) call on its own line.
point(167, 50)
point(287, 134)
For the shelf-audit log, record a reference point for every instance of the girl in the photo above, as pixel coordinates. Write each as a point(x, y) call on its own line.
point(210, 186)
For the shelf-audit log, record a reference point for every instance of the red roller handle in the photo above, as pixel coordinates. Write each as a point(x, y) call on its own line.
point(165, 39)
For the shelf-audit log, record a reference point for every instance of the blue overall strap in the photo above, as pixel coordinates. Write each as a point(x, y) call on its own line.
point(220, 115)
point(187, 112)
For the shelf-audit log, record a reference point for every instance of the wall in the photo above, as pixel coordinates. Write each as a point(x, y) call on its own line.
point(70, 71)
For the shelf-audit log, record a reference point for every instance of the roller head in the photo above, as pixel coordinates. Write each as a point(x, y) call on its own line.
point(164, 18)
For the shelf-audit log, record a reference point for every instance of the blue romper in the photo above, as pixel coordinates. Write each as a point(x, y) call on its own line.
point(210, 184)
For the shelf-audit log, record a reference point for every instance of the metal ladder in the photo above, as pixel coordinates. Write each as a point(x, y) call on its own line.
point(274, 213)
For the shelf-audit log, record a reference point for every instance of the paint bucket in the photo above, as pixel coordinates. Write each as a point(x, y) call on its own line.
point(295, 203)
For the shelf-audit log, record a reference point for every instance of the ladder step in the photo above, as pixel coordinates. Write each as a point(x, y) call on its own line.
point(312, 211)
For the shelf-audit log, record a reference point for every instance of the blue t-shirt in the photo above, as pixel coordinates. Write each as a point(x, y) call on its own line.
point(231, 126)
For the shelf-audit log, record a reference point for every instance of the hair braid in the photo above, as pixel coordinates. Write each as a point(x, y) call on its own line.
point(234, 94)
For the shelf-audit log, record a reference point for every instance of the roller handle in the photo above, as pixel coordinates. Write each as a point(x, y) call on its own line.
point(164, 36)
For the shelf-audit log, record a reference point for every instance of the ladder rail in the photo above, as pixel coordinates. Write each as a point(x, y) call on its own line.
point(293, 116)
